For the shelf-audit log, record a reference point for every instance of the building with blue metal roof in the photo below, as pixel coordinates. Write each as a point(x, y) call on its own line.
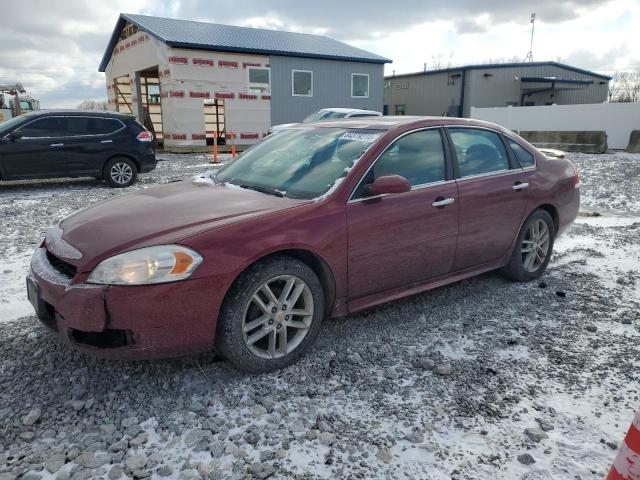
point(453, 91)
point(194, 81)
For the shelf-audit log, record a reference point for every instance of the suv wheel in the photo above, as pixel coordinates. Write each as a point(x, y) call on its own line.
point(120, 172)
point(533, 248)
point(271, 316)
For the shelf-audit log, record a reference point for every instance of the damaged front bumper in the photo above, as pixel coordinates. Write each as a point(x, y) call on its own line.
point(120, 322)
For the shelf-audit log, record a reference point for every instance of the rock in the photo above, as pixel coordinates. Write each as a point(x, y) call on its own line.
point(426, 363)
point(391, 373)
point(32, 417)
point(258, 411)
point(239, 452)
point(384, 455)
point(135, 462)
point(129, 422)
point(591, 328)
point(119, 446)
point(116, 472)
point(55, 462)
point(544, 425)
point(612, 445)
point(27, 436)
point(139, 440)
point(164, 471)
point(327, 438)
point(89, 460)
point(31, 476)
point(444, 370)
point(197, 436)
point(261, 471)
point(535, 434)
point(189, 474)
point(7, 476)
point(526, 459)
point(626, 321)
point(63, 475)
point(415, 437)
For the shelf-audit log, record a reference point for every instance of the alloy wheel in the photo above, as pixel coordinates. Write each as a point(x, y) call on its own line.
point(535, 245)
point(121, 173)
point(278, 317)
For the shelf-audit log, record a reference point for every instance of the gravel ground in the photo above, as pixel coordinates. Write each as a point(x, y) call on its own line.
point(481, 379)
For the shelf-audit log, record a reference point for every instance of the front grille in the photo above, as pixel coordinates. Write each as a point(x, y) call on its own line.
point(61, 266)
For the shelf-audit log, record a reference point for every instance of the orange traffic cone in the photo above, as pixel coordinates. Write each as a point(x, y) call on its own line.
point(626, 466)
point(215, 147)
point(233, 145)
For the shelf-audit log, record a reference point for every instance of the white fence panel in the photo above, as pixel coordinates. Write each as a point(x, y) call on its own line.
point(617, 119)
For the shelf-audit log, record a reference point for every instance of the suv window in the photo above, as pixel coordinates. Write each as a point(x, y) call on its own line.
point(478, 151)
point(91, 126)
point(418, 157)
point(42, 128)
point(525, 158)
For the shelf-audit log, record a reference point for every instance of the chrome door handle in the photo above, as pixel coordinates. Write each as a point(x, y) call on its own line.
point(106, 141)
point(444, 202)
point(520, 186)
point(57, 145)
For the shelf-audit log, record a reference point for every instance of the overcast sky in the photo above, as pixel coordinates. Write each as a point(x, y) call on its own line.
point(54, 47)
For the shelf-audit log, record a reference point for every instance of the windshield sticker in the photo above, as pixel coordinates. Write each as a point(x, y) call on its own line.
point(360, 136)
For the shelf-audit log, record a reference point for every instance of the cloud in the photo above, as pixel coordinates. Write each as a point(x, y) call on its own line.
point(54, 46)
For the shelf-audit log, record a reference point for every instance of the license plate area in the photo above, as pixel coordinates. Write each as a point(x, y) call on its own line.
point(44, 311)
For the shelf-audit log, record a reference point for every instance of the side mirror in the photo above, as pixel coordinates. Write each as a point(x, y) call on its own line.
point(15, 136)
point(389, 184)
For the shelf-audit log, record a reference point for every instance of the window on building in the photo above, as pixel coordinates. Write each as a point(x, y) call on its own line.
point(525, 158)
point(418, 157)
point(43, 128)
point(259, 79)
point(478, 151)
point(400, 109)
point(360, 85)
point(301, 83)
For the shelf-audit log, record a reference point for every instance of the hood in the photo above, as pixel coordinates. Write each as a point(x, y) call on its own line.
point(155, 216)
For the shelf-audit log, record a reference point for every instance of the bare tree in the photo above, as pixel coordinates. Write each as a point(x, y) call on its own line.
point(439, 62)
point(93, 105)
point(625, 86)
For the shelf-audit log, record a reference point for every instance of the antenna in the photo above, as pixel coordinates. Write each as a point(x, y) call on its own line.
point(529, 57)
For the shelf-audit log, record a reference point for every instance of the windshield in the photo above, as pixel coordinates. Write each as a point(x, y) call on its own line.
point(300, 163)
point(323, 115)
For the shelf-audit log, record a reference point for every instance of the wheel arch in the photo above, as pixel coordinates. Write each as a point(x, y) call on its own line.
point(553, 211)
point(314, 261)
point(124, 155)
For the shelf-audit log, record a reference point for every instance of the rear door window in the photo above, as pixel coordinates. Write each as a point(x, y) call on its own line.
point(525, 158)
point(478, 151)
point(82, 126)
point(418, 157)
point(43, 128)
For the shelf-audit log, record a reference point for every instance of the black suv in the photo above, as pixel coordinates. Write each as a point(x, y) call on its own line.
point(48, 144)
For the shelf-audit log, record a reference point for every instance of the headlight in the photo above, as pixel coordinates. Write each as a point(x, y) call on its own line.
point(160, 264)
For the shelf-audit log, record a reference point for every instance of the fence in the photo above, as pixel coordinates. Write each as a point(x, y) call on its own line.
point(617, 119)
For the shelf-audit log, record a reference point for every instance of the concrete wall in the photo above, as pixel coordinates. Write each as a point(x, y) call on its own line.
point(331, 87)
point(433, 93)
point(617, 119)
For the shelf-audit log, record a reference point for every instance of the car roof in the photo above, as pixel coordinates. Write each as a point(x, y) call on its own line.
point(390, 122)
point(79, 113)
point(346, 110)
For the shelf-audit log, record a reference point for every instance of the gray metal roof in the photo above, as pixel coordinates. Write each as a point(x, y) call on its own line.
point(502, 65)
point(227, 38)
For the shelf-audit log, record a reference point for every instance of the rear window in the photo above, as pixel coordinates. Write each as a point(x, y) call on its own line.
point(523, 155)
point(92, 126)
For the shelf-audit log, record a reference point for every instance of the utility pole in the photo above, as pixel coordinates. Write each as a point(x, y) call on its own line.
point(529, 57)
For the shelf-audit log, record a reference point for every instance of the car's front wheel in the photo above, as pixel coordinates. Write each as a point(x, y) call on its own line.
point(271, 316)
point(120, 172)
point(533, 248)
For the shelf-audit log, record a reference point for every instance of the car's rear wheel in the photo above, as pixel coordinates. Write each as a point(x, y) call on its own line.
point(120, 172)
point(271, 316)
point(533, 248)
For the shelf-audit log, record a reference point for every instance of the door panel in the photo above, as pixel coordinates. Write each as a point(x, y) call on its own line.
point(88, 143)
point(39, 153)
point(399, 240)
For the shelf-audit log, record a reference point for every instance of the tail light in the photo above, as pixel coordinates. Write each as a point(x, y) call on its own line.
point(145, 136)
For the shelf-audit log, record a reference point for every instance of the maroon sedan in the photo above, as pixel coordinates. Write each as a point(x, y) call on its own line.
point(320, 220)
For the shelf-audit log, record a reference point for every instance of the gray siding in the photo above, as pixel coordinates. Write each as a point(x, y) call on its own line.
point(433, 93)
point(331, 87)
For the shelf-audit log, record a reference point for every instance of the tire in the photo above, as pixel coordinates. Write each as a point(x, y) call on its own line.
point(242, 319)
point(120, 172)
point(523, 267)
